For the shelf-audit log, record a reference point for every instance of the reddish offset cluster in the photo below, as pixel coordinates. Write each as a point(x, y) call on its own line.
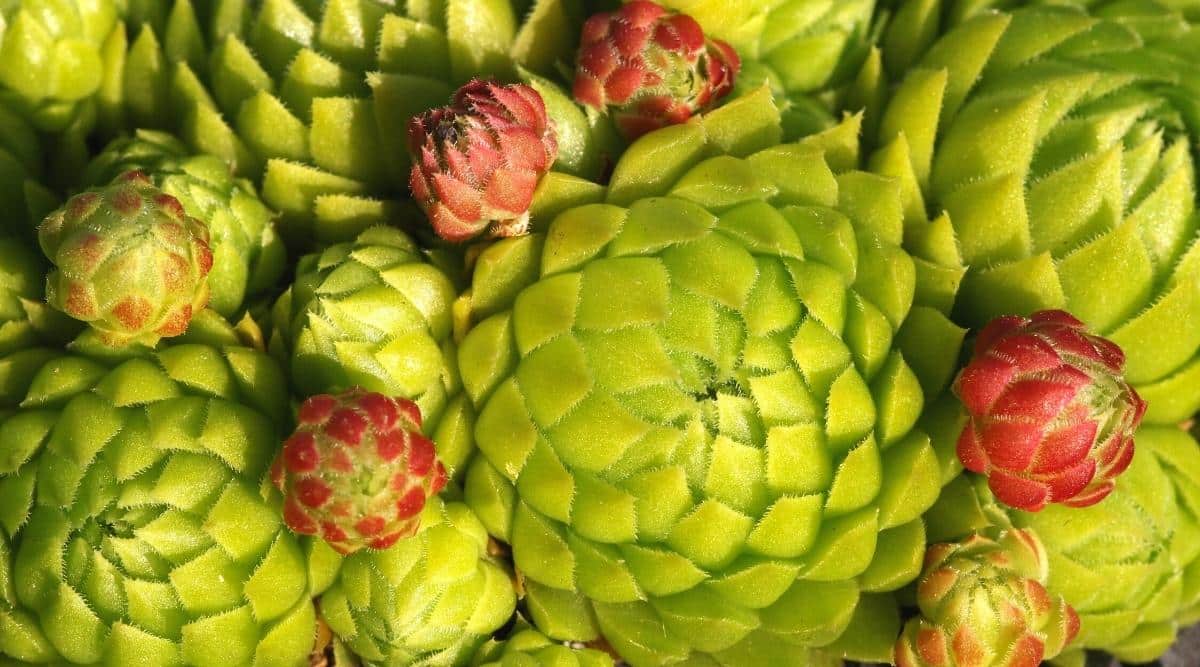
point(129, 261)
point(982, 602)
point(477, 162)
point(1051, 416)
point(651, 67)
point(357, 471)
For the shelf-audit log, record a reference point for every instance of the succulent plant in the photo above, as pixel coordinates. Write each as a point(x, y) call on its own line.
point(357, 471)
point(128, 261)
point(1130, 565)
point(316, 97)
point(134, 523)
point(248, 255)
point(1056, 145)
point(431, 599)
point(650, 67)
point(478, 161)
point(373, 314)
point(983, 603)
point(526, 647)
point(695, 431)
point(1052, 420)
point(53, 56)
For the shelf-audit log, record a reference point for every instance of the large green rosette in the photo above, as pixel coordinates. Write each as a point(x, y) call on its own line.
point(138, 525)
point(1130, 565)
point(248, 255)
point(315, 98)
point(374, 313)
point(53, 57)
point(430, 600)
point(1055, 151)
point(695, 430)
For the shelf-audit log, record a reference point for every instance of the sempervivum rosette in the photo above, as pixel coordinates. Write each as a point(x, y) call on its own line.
point(1051, 417)
point(529, 648)
point(136, 512)
point(1130, 565)
point(316, 97)
point(695, 432)
point(374, 314)
point(983, 603)
point(1055, 147)
point(53, 56)
point(430, 600)
point(248, 256)
point(128, 260)
point(649, 67)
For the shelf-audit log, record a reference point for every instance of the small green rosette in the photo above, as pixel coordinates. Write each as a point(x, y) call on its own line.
point(1130, 565)
point(248, 255)
point(695, 430)
point(137, 526)
point(374, 313)
point(1054, 149)
point(429, 601)
point(53, 57)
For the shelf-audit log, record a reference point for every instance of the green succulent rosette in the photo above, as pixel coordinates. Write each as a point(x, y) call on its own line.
point(526, 647)
point(431, 600)
point(137, 525)
point(315, 98)
point(1053, 149)
point(54, 55)
point(248, 255)
point(374, 313)
point(1130, 565)
point(695, 430)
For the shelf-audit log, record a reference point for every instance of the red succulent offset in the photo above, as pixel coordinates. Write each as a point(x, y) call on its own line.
point(1051, 416)
point(651, 67)
point(478, 161)
point(357, 470)
point(983, 603)
point(128, 260)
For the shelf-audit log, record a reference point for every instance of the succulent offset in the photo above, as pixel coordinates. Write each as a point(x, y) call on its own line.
point(128, 260)
point(357, 471)
point(1051, 418)
point(983, 602)
point(432, 599)
point(248, 255)
point(1052, 147)
point(650, 67)
point(695, 432)
point(136, 526)
point(478, 161)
